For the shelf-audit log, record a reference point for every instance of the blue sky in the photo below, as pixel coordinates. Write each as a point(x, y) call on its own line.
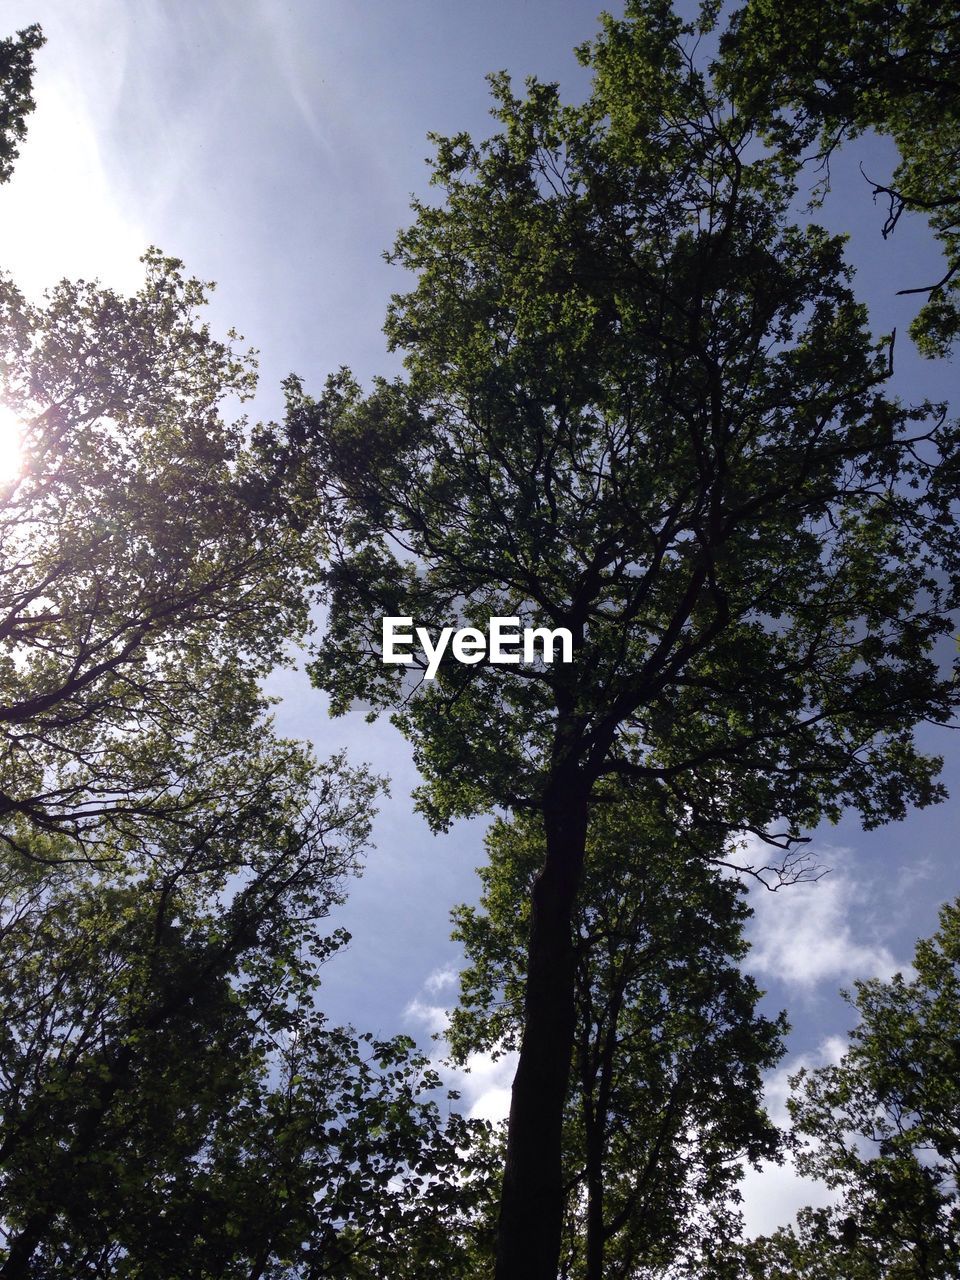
point(274, 147)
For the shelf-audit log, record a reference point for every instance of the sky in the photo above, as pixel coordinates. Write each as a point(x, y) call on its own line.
point(274, 147)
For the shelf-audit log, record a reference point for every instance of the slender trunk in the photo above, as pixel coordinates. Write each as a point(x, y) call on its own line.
point(596, 1125)
point(595, 1225)
point(531, 1203)
point(592, 1115)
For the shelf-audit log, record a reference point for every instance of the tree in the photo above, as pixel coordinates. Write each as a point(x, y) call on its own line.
point(16, 96)
point(639, 404)
point(889, 65)
point(882, 1127)
point(668, 1050)
point(152, 565)
point(169, 1095)
point(167, 1088)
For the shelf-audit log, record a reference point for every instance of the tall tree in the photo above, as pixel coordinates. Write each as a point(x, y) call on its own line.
point(171, 1100)
point(669, 1049)
point(882, 1127)
point(889, 65)
point(639, 404)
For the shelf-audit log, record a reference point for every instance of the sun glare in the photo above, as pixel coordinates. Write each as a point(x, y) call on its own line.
point(11, 439)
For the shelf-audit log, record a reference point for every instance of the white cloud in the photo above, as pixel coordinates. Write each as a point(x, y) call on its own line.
point(806, 934)
point(773, 1193)
point(910, 874)
point(440, 980)
point(434, 1017)
point(484, 1085)
point(485, 1081)
point(776, 1086)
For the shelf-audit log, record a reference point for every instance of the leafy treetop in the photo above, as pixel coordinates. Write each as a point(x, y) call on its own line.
point(641, 405)
point(832, 72)
point(152, 564)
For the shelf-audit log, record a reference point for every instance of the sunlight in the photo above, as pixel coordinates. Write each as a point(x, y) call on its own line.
point(46, 237)
point(11, 439)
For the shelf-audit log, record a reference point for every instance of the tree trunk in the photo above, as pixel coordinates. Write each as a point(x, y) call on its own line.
point(531, 1202)
point(596, 1120)
point(595, 1224)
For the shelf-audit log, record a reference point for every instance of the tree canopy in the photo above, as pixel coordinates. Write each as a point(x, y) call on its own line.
point(151, 568)
point(171, 1097)
point(640, 403)
point(889, 65)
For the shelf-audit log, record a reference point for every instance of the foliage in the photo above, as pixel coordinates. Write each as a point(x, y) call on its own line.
point(16, 96)
point(639, 404)
point(882, 1127)
point(152, 565)
point(169, 1095)
point(169, 1091)
point(889, 65)
point(171, 1099)
point(669, 1049)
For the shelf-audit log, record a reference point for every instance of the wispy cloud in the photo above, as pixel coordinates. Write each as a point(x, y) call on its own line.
point(434, 1018)
point(440, 980)
point(826, 931)
point(296, 71)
